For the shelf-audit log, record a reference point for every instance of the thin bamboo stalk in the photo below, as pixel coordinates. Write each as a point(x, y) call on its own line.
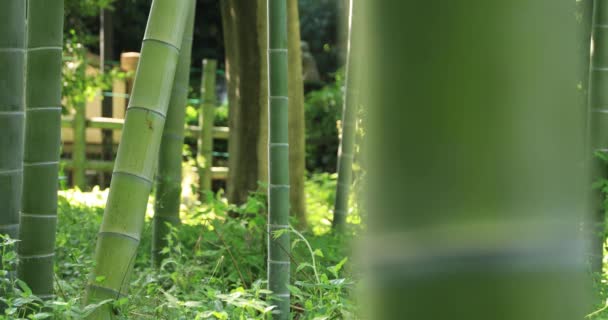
point(12, 64)
point(79, 151)
point(137, 156)
point(347, 141)
point(169, 176)
point(42, 145)
point(206, 118)
point(278, 153)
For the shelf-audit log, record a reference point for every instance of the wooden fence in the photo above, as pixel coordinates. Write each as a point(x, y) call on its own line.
point(79, 139)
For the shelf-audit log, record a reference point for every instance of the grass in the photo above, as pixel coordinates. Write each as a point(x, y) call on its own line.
point(216, 265)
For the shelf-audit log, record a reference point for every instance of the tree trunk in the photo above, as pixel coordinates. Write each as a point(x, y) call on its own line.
point(12, 67)
point(297, 124)
point(42, 145)
point(245, 42)
point(169, 175)
point(477, 162)
point(137, 156)
point(278, 151)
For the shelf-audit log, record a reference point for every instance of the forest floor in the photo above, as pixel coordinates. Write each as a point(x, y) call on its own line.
point(216, 267)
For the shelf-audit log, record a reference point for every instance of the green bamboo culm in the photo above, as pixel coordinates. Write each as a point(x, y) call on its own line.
point(38, 218)
point(205, 120)
point(278, 154)
point(79, 128)
point(473, 196)
point(347, 141)
point(169, 176)
point(12, 117)
point(137, 156)
point(598, 108)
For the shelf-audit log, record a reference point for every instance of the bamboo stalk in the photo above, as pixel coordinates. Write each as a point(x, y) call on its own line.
point(478, 177)
point(206, 118)
point(12, 64)
point(598, 108)
point(79, 150)
point(278, 153)
point(347, 141)
point(137, 156)
point(169, 176)
point(42, 145)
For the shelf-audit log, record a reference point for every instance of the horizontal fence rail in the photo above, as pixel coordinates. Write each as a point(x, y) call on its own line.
point(220, 133)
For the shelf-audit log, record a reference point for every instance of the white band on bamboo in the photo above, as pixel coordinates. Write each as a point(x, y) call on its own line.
point(601, 69)
point(282, 295)
point(10, 172)
point(278, 186)
point(43, 109)
point(20, 50)
point(9, 226)
point(146, 179)
point(278, 226)
point(279, 97)
point(601, 26)
point(278, 50)
point(46, 296)
point(11, 113)
point(40, 164)
point(44, 48)
point(162, 115)
point(279, 262)
point(38, 216)
point(37, 256)
point(276, 144)
point(602, 149)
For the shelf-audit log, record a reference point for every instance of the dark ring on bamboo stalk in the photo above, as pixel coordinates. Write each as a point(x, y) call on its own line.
point(132, 175)
point(173, 136)
point(163, 42)
point(117, 235)
point(162, 115)
point(117, 293)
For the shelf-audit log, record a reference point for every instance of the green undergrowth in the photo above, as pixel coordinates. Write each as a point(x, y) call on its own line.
point(215, 266)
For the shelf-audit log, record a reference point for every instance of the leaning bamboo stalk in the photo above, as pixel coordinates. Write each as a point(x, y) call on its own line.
point(137, 156)
point(347, 141)
point(169, 176)
point(42, 145)
point(205, 120)
point(12, 63)
point(278, 155)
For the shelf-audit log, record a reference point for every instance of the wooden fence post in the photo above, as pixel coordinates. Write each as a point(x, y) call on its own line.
point(80, 138)
point(208, 103)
